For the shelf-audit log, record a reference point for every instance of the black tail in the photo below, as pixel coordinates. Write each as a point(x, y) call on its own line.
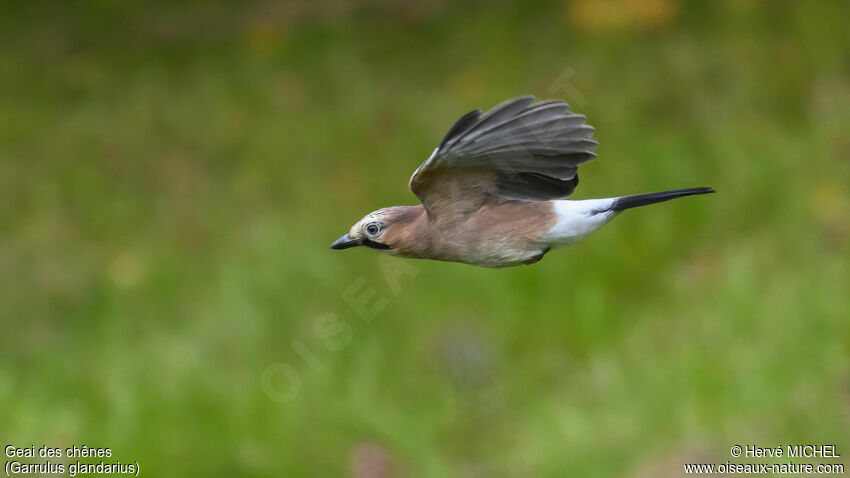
point(627, 202)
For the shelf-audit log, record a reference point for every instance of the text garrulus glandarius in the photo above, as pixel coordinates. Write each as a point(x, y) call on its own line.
point(492, 192)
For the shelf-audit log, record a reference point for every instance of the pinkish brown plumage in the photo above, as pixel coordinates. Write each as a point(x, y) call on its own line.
point(492, 191)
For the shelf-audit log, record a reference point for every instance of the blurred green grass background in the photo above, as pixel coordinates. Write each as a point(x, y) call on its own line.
point(171, 176)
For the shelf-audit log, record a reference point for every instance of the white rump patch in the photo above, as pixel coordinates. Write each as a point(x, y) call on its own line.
point(577, 219)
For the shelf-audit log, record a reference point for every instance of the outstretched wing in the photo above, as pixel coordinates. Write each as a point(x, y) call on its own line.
point(519, 150)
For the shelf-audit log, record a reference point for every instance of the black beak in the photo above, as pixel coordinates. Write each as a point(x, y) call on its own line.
point(345, 242)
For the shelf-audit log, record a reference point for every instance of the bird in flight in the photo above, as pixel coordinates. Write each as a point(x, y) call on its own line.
point(493, 191)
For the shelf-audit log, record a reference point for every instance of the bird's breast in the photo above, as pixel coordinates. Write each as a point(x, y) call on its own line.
point(500, 235)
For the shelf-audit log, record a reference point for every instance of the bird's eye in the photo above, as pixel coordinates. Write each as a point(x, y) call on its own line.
point(373, 229)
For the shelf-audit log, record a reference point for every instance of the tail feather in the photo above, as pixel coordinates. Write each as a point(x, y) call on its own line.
point(627, 202)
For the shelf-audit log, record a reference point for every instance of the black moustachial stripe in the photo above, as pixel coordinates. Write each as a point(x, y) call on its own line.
point(627, 202)
point(375, 245)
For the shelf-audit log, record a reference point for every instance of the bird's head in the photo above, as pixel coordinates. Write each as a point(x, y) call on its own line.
point(382, 229)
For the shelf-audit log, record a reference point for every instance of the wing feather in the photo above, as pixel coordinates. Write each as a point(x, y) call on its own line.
point(517, 151)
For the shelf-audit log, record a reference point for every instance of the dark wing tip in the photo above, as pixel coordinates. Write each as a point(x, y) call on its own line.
point(461, 125)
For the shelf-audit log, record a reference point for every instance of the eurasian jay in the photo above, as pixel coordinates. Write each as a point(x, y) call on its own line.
point(493, 191)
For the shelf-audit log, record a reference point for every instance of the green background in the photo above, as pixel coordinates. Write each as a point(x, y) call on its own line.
point(171, 176)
